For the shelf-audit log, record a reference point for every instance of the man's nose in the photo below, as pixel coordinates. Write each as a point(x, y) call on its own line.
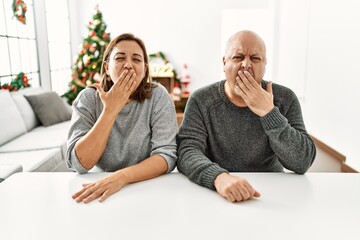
point(245, 64)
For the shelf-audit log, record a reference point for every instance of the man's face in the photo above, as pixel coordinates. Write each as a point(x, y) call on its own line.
point(244, 52)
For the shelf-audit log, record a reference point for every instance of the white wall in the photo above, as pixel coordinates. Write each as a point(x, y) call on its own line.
point(316, 49)
point(318, 58)
point(187, 31)
point(259, 20)
point(332, 103)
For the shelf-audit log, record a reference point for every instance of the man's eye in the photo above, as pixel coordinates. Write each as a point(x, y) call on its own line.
point(137, 60)
point(119, 58)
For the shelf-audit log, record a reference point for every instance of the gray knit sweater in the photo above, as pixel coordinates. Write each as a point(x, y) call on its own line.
point(216, 136)
point(141, 130)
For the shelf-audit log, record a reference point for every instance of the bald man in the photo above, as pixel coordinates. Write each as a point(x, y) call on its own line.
point(242, 124)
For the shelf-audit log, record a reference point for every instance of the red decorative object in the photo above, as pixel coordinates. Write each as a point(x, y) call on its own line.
point(19, 9)
point(185, 80)
point(21, 81)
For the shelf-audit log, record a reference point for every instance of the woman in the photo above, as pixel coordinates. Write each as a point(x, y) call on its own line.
point(125, 124)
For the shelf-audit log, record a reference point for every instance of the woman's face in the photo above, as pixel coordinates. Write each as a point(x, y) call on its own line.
point(126, 55)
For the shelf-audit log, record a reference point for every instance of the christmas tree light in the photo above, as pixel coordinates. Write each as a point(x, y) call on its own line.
point(87, 65)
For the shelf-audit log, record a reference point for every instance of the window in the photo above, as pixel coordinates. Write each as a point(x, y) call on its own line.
point(58, 30)
point(18, 46)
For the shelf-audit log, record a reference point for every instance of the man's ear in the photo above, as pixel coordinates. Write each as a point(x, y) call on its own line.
point(224, 62)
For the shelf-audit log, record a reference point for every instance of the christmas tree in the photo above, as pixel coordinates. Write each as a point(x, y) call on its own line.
point(87, 65)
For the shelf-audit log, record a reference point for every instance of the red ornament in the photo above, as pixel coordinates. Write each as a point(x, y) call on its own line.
point(19, 10)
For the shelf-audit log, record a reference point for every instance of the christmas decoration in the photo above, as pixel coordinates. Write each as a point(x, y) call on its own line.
point(21, 81)
point(185, 79)
point(19, 9)
point(87, 65)
point(163, 68)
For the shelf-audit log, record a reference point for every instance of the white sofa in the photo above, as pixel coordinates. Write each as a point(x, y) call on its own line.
point(24, 140)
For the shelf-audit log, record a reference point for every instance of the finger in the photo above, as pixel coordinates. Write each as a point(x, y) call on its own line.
point(240, 90)
point(251, 80)
point(246, 79)
point(85, 194)
point(237, 195)
point(98, 88)
point(244, 83)
point(245, 193)
point(131, 84)
point(257, 194)
point(269, 88)
point(93, 196)
point(229, 196)
point(105, 195)
point(85, 187)
point(252, 191)
point(78, 193)
point(121, 78)
point(126, 79)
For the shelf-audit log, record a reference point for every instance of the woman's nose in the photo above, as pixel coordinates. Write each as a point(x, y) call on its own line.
point(128, 65)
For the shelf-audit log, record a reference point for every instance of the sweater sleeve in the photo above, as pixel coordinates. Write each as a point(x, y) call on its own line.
point(192, 142)
point(82, 120)
point(288, 138)
point(164, 127)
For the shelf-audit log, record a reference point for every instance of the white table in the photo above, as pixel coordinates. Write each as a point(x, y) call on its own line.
point(311, 206)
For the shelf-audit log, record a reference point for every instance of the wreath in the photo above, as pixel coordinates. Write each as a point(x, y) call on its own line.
point(21, 81)
point(19, 9)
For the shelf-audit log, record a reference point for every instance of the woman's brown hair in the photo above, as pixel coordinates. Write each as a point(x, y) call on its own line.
point(144, 89)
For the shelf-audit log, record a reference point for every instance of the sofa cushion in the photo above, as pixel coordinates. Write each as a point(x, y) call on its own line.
point(34, 161)
point(12, 125)
point(54, 136)
point(27, 113)
point(49, 108)
point(8, 169)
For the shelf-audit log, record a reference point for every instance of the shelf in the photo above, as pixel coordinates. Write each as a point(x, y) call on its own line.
point(179, 100)
point(167, 82)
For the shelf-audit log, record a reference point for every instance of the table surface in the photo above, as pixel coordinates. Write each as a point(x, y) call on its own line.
point(311, 206)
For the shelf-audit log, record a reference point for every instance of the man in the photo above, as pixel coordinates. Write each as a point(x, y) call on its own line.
point(242, 124)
